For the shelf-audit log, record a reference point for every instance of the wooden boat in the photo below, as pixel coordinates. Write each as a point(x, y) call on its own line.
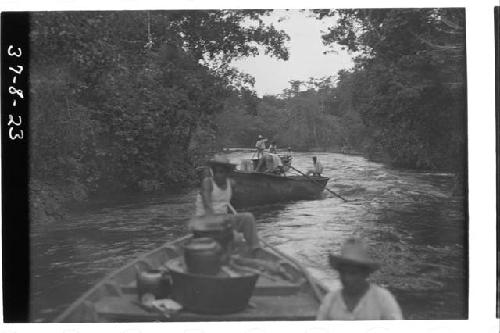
point(291, 296)
point(255, 188)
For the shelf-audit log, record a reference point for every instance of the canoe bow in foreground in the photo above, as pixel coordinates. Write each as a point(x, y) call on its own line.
point(115, 299)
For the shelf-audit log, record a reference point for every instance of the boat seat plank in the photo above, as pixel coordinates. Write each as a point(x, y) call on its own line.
point(300, 306)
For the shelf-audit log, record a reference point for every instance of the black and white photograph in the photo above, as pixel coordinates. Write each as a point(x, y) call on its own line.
point(215, 165)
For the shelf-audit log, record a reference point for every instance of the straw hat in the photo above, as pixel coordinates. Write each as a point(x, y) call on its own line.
point(354, 253)
point(260, 137)
point(221, 160)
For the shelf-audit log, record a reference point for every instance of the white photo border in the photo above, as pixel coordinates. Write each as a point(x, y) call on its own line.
point(481, 168)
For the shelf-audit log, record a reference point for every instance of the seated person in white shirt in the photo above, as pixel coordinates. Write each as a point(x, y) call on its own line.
point(317, 169)
point(358, 299)
point(214, 199)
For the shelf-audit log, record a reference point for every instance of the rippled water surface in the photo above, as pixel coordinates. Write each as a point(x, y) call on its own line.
point(416, 228)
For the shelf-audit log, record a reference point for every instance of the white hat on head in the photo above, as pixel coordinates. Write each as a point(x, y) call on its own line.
point(221, 160)
point(354, 252)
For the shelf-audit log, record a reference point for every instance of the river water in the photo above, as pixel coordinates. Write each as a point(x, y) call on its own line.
point(413, 224)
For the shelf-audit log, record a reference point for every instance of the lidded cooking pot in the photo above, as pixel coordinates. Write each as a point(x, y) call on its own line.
point(154, 282)
point(202, 256)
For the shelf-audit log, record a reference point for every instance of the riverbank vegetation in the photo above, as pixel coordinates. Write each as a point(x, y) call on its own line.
point(134, 101)
point(410, 82)
point(403, 102)
point(125, 101)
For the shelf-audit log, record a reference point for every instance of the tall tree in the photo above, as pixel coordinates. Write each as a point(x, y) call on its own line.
point(120, 98)
point(410, 76)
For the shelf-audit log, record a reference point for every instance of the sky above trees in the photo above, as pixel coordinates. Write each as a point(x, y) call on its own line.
point(306, 54)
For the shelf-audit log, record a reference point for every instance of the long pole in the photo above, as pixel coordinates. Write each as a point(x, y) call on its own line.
point(317, 293)
point(326, 188)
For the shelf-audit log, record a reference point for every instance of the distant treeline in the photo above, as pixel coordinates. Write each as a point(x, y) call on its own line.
point(403, 103)
point(302, 120)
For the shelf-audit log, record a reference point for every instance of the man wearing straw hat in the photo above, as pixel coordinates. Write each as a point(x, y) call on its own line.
point(214, 199)
point(357, 299)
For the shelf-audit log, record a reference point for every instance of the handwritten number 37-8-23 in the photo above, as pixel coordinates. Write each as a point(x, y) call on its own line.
point(15, 121)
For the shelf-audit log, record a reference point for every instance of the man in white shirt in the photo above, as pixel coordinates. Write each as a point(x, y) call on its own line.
point(214, 199)
point(317, 169)
point(287, 160)
point(357, 299)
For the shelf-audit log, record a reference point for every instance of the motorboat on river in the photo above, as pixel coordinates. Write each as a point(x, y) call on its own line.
point(256, 188)
point(273, 287)
point(260, 187)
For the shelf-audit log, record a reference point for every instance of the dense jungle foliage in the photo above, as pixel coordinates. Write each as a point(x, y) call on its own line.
point(126, 100)
point(410, 80)
point(404, 102)
point(134, 101)
point(305, 116)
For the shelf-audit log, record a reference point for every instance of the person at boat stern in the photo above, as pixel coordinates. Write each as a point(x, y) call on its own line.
point(357, 299)
point(317, 169)
point(214, 199)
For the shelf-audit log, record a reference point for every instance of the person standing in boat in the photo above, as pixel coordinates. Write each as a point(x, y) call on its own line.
point(317, 169)
point(287, 160)
point(261, 146)
point(358, 299)
point(214, 199)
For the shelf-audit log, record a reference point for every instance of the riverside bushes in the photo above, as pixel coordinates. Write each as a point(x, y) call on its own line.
point(126, 101)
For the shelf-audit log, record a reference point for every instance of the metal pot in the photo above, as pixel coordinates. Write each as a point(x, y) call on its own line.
point(202, 256)
point(154, 282)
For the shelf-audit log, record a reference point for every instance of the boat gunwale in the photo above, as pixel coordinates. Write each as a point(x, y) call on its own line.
point(300, 268)
point(108, 277)
point(282, 178)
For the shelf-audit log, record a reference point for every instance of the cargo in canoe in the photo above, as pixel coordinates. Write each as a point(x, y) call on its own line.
point(257, 188)
point(291, 296)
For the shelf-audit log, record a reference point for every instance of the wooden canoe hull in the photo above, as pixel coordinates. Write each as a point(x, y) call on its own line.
point(256, 188)
point(115, 299)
